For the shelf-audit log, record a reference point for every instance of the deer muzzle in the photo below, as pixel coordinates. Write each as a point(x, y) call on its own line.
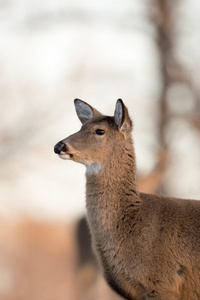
point(62, 150)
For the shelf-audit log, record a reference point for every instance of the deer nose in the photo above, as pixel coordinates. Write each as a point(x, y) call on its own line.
point(60, 147)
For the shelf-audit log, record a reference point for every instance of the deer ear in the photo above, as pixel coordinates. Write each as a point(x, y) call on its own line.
point(122, 118)
point(84, 111)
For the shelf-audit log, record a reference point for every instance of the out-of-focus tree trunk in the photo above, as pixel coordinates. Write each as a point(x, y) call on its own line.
point(164, 16)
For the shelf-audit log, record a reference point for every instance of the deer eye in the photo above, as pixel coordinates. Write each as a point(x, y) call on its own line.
point(99, 131)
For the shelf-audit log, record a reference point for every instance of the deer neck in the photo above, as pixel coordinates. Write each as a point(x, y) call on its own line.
point(111, 190)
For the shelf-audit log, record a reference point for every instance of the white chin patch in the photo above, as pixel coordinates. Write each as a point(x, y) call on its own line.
point(64, 156)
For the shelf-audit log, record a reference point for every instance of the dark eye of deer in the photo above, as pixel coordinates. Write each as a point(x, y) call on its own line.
point(99, 131)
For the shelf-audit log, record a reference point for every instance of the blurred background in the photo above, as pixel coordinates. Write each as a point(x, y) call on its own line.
point(147, 53)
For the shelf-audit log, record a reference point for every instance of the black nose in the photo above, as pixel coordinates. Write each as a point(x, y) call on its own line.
point(60, 147)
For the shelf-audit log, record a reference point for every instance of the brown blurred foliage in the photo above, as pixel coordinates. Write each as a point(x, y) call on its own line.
point(37, 260)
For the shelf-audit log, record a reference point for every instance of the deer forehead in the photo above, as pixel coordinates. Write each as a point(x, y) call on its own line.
point(100, 122)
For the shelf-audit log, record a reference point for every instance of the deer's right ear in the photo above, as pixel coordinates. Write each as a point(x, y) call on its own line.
point(85, 111)
point(122, 118)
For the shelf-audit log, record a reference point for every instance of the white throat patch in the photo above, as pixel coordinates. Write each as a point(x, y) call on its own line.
point(95, 168)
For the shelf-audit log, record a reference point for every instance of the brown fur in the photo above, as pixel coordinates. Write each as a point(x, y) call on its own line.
point(147, 245)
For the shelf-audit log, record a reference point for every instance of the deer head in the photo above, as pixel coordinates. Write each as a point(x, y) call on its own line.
point(98, 136)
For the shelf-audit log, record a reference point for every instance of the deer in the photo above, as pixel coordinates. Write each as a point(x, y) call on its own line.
point(147, 245)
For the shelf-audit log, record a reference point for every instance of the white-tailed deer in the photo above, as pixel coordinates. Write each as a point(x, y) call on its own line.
point(147, 245)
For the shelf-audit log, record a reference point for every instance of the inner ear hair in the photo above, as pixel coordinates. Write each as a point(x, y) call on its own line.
point(122, 118)
point(119, 113)
point(85, 111)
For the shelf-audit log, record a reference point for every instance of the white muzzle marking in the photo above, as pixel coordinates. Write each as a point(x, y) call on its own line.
point(64, 156)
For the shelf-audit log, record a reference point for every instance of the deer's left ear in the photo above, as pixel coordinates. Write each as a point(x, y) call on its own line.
point(122, 118)
point(85, 111)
